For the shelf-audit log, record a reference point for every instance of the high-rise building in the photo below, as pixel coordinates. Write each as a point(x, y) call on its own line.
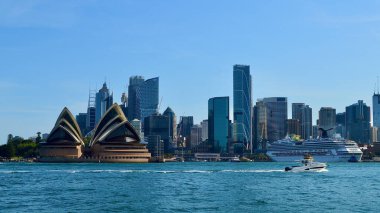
point(374, 134)
point(124, 104)
point(242, 98)
point(81, 120)
point(172, 125)
point(90, 120)
point(315, 131)
point(341, 124)
point(358, 122)
point(143, 97)
point(297, 110)
point(304, 114)
point(327, 120)
point(204, 125)
point(157, 124)
point(103, 101)
point(293, 127)
point(184, 131)
point(277, 113)
point(196, 136)
point(260, 125)
point(376, 109)
point(219, 123)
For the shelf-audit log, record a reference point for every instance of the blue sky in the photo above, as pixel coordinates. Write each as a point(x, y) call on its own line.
point(323, 53)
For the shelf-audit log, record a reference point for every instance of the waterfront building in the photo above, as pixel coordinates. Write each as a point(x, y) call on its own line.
point(196, 135)
point(327, 120)
point(341, 124)
point(143, 97)
point(204, 125)
point(219, 123)
point(103, 101)
point(374, 134)
point(172, 125)
point(304, 114)
point(115, 140)
point(158, 124)
point(260, 125)
point(64, 141)
point(277, 113)
point(293, 127)
point(184, 131)
point(376, 109)
point(315, 131)
point(358, 122)
point(156, 147)
point(242, 98)
point(81, 120)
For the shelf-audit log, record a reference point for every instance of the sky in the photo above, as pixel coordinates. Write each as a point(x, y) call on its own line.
point(322, 53)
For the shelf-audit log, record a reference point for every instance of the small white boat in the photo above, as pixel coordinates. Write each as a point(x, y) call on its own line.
point(308, 165)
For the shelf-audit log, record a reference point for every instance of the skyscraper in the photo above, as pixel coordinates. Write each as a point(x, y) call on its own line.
point(376, 109)
point(293, 127)
point(143, 97)
point(277, 113)
point(260, 124)
point(172, 125)
point(103, 101)
point(157, 124)
point(196, 135)
point(90, 120)
point(204, 125)
point(124, 104)
point(327, 120)
point(81, 120)
point(304, 114)
point(341, 124)
point(358, 123)
point(242, 98)
point(184, 130)
point(219, 123)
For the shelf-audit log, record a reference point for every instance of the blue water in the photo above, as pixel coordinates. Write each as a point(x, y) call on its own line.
point(187, 187)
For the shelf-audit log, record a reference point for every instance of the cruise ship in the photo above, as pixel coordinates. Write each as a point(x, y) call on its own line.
point(322, 150)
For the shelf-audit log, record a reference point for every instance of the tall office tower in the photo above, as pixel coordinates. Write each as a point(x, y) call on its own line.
point(341, 124)
point(184, 131)
point(219, 123)
point(376, 109)
point(103, 101)
point(242, 98)
point(90, 121)
point(81, 120)
point(133, 101)
point(204, 125)
point(124, 104)
point(143, 97)
point(172, 125)
point(196, 136)
point(358, 122)
point(293, 127)
point(374, 134)
point(260, 125)
point(304, 114)
point(157, 124)
point(315, 131)
point(277, 113)
point(327, 120)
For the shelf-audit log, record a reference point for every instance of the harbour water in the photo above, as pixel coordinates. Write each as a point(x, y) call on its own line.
point(187, 187)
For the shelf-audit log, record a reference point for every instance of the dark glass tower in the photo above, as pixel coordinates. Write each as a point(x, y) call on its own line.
point(219, 123)
point(277, 113)
point(358, 122)
point(242, 92)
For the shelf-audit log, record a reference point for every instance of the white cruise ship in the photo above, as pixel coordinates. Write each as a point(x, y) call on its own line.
point(322, 150)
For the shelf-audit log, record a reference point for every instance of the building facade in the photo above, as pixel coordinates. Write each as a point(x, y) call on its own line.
point(358, 123)
point(196, 135)
point(277, 113)
point(327, 120)
point(260, 125)
point(103, 101)
point(204, 125)
point(82, 119)
point(376, 109)
point(242, 98)
point(184, 131)
point(293, 127)
point(157, 124)
point(219, 123)
point(172, 125)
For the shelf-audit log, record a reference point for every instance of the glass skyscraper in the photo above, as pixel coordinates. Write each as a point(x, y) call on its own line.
point(277, 113)
point(219, 123)
point(242, 95)
point(376, 109)
point(358, 123)
point(103, 101)
point(142, 97)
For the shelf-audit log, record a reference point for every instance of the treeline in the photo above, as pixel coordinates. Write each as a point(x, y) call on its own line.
point(20, 147)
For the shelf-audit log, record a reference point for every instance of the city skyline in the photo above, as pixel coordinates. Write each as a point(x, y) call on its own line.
point(192, 68)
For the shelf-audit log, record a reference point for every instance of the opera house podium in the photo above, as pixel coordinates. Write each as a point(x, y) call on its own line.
point(114, 140)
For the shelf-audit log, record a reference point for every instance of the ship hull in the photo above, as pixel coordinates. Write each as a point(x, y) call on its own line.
point(318, 158)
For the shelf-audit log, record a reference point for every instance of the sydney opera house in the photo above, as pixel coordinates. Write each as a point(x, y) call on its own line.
point(114, 140)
